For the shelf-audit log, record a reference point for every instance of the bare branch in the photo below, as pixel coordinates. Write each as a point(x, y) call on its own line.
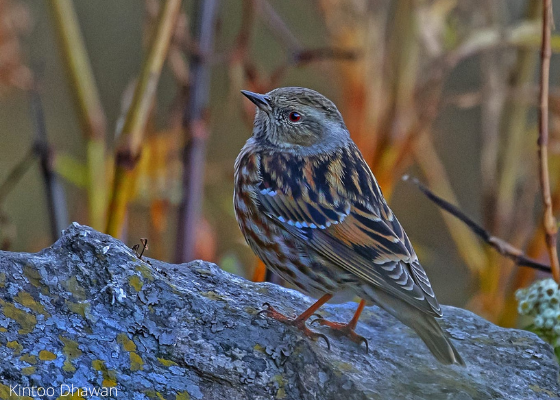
point(278, 27)
point(503, 247)
point(306, 56)
point(196, 126)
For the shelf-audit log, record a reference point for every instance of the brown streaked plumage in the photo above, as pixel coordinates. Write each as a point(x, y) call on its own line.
point(311, 209)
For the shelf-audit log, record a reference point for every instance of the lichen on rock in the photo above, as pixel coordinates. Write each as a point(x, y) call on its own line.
point(87, 312)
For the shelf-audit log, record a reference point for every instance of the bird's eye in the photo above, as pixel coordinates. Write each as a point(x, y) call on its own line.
point(294, 116)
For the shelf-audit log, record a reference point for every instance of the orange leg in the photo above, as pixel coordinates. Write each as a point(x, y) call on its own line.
point(299, 321)
point(347, 329)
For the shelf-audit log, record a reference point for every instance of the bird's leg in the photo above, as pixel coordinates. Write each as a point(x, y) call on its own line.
point(347, 330)
point(299, 321)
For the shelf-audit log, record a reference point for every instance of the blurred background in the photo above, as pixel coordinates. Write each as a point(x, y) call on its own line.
point(127, 116)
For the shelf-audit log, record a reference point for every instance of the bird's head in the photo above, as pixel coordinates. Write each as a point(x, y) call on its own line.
point(297, 119)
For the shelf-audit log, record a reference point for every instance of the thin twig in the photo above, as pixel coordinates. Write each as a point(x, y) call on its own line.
point(306, 56)
point(482, 40)
point(16, 174)
point(196, 126)
point(132, 136)
point(278, 27)
point(303, 58)
point(503, 247)
point(136, 248)
point(549, 221)
point(56, 199)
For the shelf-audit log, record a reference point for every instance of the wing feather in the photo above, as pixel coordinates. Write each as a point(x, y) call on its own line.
point(356, 231)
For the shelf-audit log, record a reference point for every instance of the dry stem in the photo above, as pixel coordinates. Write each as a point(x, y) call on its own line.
point(132, 134)
point(549, 222)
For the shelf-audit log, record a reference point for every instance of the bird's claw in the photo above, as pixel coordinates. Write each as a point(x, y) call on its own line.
point(317, 336)
point(266, 308)
point(272, 313)
point(341, 330)
point(295, 322)
point(318, 318)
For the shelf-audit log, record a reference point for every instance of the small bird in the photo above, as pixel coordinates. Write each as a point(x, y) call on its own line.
point(309, 206)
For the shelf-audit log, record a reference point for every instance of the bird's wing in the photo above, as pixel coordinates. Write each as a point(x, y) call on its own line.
point(348, 224)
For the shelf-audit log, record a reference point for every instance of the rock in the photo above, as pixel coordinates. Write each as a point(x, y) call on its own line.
point(87, 312)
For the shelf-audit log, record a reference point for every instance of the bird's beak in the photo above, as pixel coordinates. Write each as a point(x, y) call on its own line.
point(260, 100)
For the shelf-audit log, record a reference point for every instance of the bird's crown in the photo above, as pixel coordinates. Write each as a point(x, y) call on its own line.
point(299, 96)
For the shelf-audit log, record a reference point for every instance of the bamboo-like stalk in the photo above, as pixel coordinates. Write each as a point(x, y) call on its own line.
point(132, 136)
point(195, 124)
point(90, 111)
point(549, 222)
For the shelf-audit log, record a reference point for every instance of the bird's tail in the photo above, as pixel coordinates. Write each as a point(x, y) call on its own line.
point(425, 325)
point(436, 339)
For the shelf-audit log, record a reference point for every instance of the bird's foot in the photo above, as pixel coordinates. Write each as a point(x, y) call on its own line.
point(297, 322)
point(342, 330)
